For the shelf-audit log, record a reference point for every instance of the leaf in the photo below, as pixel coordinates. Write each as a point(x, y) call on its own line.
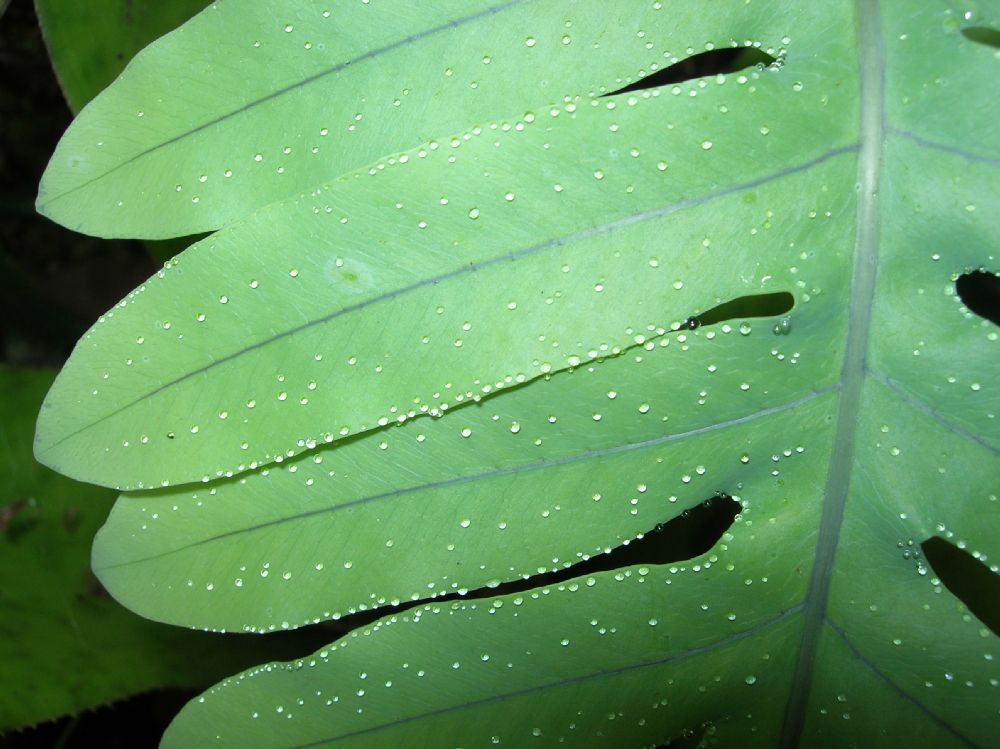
point(65, 645)
point(188, 131)
point(859, 175)
point(91, 42)
point(316, 321)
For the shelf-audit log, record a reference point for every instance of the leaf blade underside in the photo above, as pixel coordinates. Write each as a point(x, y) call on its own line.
point(495, 215)
point(328, 73)
point(865, 428)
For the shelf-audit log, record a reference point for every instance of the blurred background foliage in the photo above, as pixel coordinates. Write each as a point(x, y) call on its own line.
point(78, 669)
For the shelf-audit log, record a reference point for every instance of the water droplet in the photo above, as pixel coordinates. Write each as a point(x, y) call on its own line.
point(783, 326)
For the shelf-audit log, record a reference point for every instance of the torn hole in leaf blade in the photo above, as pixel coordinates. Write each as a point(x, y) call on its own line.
point(713, 62)
point(968, 579)
point(979, 290)
point(754, 305)
point(982, 35)
point(688, 535)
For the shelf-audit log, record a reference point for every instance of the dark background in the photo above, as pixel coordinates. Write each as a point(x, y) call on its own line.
point(53, 284)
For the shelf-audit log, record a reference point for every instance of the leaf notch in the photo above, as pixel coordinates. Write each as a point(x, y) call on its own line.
point(967, 578)
point(979, 291)
point(722, 61)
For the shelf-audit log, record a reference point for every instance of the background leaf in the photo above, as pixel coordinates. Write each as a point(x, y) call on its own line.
point(90, 43)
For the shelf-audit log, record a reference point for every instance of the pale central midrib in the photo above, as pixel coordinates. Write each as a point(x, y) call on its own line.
point(870, 68)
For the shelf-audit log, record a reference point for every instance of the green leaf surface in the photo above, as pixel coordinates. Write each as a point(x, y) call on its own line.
point(65, 645)
point(91, 42)
point(464, 363)
point(312, 291)
point(188, 140)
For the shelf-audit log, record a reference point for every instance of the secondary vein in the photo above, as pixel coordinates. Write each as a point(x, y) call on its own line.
point(936, 719)
point(332, 70)
point(466, 268)
point(485, 475)
point(560, 683)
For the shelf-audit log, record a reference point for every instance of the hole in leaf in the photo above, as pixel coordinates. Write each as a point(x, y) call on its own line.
point(755, 305)
point(982, 35)
point(713, 62)
point(979, 290)
point(691, 533)
point(967, 578)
